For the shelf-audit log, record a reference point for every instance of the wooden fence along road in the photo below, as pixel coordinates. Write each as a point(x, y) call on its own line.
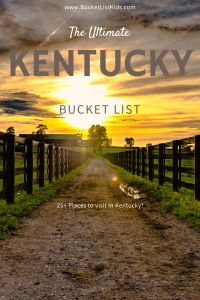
point(24, 162)
point(176, 162)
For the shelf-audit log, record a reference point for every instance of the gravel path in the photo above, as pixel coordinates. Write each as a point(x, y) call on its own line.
point(83, 245)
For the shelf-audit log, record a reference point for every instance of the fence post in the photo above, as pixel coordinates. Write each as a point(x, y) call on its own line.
point(143, 162)
point(161, 164)
point(197, 167)
point(175, 164)
point(66, 161)
point(62, 162)
point(129, 161)
point(72, 160)
point(151, 162)
point(138, 161)
point(133, 162)
point(69, 161)
point(50, 162)
point(180, 162)
point(10, 169)
point(57, 162)
point(122, 159)
point(4, 164)
point(126, 160)
point(75, 157)
point(41, 164)
point(29, 167)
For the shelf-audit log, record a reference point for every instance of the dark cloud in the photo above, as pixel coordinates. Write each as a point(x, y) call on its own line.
point(26, 95)
point(168, 89)
point(173, 16)
point(189, 28)
point(161, 22)
point(12, 106)
point(26, 104)
point(22, 107)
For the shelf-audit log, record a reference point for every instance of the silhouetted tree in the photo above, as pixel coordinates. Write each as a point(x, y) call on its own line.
point(41, 130)
point(129, 142)
point(11, 130)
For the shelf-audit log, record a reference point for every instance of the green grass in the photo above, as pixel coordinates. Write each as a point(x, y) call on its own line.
point(113, 149)
point(101, 153)
point(181, 203)
point(25, 204)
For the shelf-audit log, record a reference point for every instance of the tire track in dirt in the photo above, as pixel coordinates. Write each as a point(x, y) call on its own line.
point(100, 253)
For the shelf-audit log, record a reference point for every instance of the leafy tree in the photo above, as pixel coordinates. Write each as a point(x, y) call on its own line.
point(11, 130)
point(41, 130)
point(98, 138)
point(129, 142)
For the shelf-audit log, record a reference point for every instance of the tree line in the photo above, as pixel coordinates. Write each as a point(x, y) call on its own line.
point(97, 136)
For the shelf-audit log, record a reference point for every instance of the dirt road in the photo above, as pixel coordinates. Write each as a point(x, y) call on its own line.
point(71, 249)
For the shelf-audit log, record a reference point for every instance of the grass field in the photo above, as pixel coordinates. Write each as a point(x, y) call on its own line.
point(181, 203)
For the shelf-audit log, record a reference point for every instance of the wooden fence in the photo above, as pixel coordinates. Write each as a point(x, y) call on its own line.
point(24, 162)
point(171, 162)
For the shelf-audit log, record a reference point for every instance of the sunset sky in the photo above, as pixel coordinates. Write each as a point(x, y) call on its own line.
point(169, 106)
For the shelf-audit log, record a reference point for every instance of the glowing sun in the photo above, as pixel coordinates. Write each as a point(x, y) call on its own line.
point(79, 90)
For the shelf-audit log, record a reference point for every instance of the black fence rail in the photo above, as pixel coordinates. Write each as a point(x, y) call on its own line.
point(176, 162)
point(24, 163)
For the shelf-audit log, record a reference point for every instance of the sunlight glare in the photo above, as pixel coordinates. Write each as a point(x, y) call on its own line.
point(80, 90)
